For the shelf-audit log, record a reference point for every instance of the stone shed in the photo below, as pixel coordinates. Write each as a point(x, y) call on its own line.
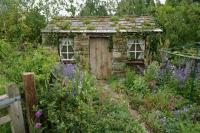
point(104, 45)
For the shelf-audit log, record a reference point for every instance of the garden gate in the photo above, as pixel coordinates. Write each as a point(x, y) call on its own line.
point(11, 100)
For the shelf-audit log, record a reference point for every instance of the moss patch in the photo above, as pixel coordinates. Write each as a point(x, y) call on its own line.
point(114, 18)
point(91, 27)
point(76, 28)
point(65, 25)
point(86, 21)
point(146, 24)
point(133, 26)
point(121, 27)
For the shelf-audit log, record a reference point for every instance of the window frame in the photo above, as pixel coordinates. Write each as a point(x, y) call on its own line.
point(135, 42)
point(67, 46)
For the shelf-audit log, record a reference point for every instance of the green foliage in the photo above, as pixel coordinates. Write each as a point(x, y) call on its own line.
point(134, 7)
point(83, 112)
point(134, 82)
point(151, 72)
point(27, 59)
point(162, 100)
point(115, 18)
point(94, 8)
point(51, 39)
point(19, 25)
point(179, 22)
point(67, 25)
point(86, 21)
point(112, 79)
point(91, 27)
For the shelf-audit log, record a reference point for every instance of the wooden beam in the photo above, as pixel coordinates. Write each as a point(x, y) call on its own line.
point(5, 119)
point(3, 97)
point(30, 94)
point(15, 110)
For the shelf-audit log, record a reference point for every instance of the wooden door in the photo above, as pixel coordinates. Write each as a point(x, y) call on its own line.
point(100, 57)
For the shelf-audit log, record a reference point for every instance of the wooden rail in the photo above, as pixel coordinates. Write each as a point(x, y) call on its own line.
point(12, 101)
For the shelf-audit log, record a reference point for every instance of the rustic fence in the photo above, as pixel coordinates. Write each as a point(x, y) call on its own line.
point(12, 101)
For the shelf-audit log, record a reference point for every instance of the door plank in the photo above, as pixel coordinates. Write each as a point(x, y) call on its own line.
point(100, 57)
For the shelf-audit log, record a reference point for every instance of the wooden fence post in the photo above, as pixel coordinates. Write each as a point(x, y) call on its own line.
point(15, 110)
point(30, 94)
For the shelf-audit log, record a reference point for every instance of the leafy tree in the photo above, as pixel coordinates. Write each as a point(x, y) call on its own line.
point(19, 24)
point(34, 24)
point(134, 7)
point(180, 23)
point(94, 8)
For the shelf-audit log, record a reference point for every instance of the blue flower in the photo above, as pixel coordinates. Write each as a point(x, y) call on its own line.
point(69, 70)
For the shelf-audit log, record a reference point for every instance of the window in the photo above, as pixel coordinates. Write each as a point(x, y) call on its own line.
point(66, 49)
point(136, 48)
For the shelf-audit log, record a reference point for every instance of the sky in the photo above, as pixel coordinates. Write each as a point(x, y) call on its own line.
point(162, 1)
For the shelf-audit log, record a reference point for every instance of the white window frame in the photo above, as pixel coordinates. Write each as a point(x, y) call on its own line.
point(135, 42)
point(62, 44)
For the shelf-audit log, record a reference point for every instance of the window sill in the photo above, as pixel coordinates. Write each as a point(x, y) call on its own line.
point(135, 61)
point(68, 61)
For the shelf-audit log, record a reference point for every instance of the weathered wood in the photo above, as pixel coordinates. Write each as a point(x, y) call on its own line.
point(30, 93)
point(100, 57)
point(5, 119)
point(3, 97)
point(15, 110)
point(7, 101)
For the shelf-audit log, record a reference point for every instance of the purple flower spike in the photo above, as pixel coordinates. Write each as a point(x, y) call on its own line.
point(69, 70)
point(38, 114)
point(38, 125)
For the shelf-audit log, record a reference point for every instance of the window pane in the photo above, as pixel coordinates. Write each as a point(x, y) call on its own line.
point(132, 55)
point(70, 49)
point(138, 47)
point(64, 49)
point(71, 56)
point(66, 42)
point(132, 48)
point(70, 42)
point(64, 56)
point(140, 55)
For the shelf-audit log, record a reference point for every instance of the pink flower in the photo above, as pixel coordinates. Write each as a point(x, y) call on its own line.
point(38, 113)
point(38, 125)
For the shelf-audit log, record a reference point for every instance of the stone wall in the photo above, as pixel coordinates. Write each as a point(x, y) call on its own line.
point(81, 49)
point(119, 54)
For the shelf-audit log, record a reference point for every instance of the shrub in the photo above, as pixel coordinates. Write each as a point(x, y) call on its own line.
point(72, 105)
point(129, 79)
point(140, 85)
point(151, 72)
point(162, 100)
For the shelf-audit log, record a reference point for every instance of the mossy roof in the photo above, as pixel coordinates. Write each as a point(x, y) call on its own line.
point(106, 24)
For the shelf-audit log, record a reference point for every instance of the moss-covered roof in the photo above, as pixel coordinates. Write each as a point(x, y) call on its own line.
point(111, 24)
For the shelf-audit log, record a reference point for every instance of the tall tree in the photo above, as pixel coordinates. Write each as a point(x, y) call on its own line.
point(134, 7)
point(180, 23)
point(19, 24)
point(94, 8)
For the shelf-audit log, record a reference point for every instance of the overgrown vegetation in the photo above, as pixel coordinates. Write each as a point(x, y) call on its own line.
point(70, 100)
point(158, 98)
